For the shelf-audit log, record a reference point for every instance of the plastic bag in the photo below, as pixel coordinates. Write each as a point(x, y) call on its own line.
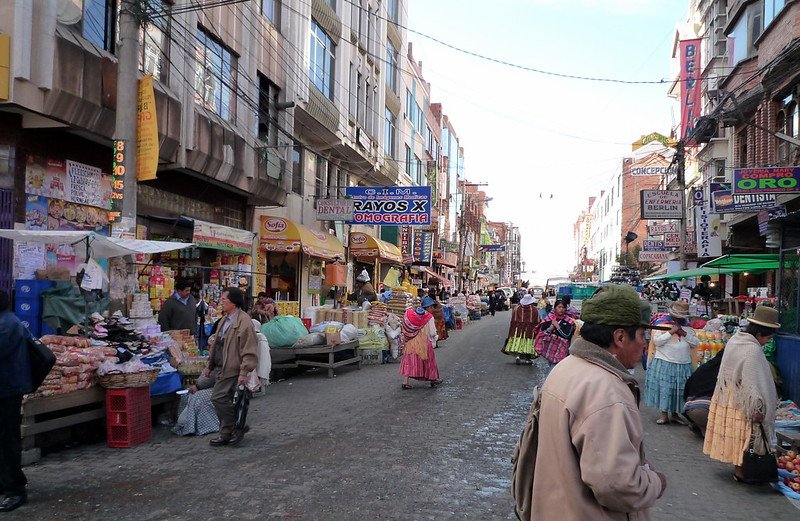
point(311, 339)
point(349, 333)
point(283, 331)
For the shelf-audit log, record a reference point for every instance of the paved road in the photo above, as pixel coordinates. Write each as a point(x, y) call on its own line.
point(359, 448)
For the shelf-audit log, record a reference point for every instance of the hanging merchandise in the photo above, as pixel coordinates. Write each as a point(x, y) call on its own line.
point(335, 274)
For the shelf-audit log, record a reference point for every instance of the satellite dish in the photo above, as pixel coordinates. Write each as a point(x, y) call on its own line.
point(69, 12)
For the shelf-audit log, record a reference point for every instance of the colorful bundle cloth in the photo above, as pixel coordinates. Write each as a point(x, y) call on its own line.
point(418, 337)
point(522, 331)
point(554, 345)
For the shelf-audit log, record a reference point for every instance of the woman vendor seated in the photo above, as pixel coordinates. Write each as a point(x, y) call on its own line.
point(697, 393)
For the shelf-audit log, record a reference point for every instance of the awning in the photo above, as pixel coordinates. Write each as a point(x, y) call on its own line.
point(699, 272)
point(438, 277)
point(745, 262)
point(99, 246)
point(365, 245)
point(284, 235)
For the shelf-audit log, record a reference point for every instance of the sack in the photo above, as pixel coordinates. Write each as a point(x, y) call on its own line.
point(283, 330)
point(523, 460)
point(42, 360)
point(757, 468)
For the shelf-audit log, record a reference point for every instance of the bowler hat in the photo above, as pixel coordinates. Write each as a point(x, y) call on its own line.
point(679, 309)
point(616, 305)
point(765, 316)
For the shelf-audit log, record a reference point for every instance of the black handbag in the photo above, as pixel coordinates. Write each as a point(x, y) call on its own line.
point(42, 360)
point(757, 468)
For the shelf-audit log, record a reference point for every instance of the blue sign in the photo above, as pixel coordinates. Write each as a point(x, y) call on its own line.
point(725, 201)
point(391, 205)
point(492, 247)
point(423, 248)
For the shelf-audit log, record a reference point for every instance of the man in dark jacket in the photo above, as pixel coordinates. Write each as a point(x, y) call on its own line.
point(180, 310)
point(15, 381)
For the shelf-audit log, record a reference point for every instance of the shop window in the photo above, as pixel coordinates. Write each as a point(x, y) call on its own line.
point(322, 59)
point(271, 11)
point(297, 170)
point(282, 272)
point(215, 76)
point(154, 38)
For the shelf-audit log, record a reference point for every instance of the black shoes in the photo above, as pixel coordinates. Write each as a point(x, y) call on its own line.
point(235, 437)
point(220, 441)
point(13, 502)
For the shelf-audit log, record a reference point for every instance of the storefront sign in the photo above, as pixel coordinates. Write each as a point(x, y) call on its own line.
point(690, 244)
point(117, 181)
point(334, 209)
point(218, 237)
point(709, 242)
point(725, 201)
point(83, 184)
point(661, 229)
point(406, 236)
point(432, 177)
point(661, 204)
point(691, 101)
point(698, 196)
point(393, 205)
point(446, 258)
point(423, 248)
point(450, 246)
point(146, 132)
point(492, 247)
point(653, 245)
point(765, 216)
point(654, 256)
point(672, 240)
point(653, 170)
point(767, 180)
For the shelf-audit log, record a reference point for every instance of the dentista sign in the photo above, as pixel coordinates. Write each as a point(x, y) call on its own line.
point(779, 180)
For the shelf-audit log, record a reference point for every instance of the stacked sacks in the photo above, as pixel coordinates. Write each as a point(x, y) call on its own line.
point(378, 314)
point(76, 363)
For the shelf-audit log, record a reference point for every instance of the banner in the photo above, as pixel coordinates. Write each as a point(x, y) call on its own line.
point(661, 204)
point(146, 132)
point(224, 238)
point(492, 247)
point(777, 180)
point(709, 242)
point(392, 205)
point(334, 209)
point(691, 101)
point(423, 248)
point(725, 201)
point(406, 236)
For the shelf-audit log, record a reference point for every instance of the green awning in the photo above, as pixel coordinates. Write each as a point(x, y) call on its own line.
point(703, 270)
point(745, 262)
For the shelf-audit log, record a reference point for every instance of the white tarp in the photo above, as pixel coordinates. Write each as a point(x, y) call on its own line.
point(100, 246)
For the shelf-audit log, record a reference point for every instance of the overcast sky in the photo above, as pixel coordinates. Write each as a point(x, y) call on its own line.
point(528, 134)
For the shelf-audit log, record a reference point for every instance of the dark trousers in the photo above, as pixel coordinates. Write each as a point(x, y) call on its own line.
point(222, 398)
point(12, 479)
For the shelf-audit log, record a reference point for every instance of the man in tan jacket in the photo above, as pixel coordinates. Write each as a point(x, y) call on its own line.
point(236, 338)
point(590, 463)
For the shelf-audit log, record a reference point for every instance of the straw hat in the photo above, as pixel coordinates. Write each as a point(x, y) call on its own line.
point(765, 316)
point(527, 300)
point(679, 309)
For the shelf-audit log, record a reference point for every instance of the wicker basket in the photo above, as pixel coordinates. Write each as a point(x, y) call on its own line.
point(124, 380)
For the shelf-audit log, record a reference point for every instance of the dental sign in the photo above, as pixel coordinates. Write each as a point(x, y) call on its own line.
point(779, 180)
point(391, 205)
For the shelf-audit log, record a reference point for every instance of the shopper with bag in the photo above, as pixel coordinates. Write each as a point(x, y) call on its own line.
point(555, 334)
point(742, 413)
point(15, 381)
point(236, 337)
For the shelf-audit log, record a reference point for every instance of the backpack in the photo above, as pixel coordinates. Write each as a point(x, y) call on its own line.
point(523, 460)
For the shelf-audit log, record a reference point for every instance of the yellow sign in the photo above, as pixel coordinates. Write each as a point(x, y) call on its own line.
point(146, 132)
point(5, 66)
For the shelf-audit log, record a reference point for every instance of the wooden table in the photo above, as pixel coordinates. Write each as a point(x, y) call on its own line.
point(297, 356)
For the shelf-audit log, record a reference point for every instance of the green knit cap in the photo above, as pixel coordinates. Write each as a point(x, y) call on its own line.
point(616, 305)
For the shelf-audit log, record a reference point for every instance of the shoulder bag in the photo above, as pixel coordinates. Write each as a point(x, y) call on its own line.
point(42, 360)
point(758, 468)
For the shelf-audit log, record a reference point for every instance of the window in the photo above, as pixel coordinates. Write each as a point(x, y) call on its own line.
point(98, 23)
point(409, 165)
point(788, 121)
point(153, 51)
point(332, 180)
point(271, 9)
point(390, 134)
point(267, 116)
point(344, 182)
point(391, 66)
point(319, 179)
point(744, 34)
point(772, 8)
point(418, 170)
point(331, 3)
point(297, 170)
point(215, 77)
point(391, 9)
point(322, 55)
point(410, 112)
point(420, 120)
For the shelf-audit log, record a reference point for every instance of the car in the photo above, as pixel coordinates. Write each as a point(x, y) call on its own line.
point(508, 292)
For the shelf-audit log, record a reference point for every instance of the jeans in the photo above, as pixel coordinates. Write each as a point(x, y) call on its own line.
point(12, 479)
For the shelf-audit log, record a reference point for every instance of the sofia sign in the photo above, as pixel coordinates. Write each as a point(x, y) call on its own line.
point(785, 180)
point(275, 225)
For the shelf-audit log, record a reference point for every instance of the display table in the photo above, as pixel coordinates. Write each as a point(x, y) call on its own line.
point(306, 356)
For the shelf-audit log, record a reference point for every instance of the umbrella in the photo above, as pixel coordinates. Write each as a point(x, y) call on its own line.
point(241, 403)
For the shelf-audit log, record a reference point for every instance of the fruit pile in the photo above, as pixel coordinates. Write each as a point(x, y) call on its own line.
point(710, 344)
point(791, 463)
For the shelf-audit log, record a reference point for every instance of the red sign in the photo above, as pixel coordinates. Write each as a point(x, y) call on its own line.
point(691, 100)
point(275, 225)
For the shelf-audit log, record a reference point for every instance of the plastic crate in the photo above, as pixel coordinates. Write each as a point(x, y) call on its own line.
point(31, 287)
point(371, 356)
point(32, 322)
point(128, 419)
point(28, 306)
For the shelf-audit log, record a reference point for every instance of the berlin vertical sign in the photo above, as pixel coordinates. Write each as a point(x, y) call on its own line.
point(690, 86)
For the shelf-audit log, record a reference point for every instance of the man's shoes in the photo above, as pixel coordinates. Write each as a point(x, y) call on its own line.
point(13, 502)
point(220, 441)
point(237, 436)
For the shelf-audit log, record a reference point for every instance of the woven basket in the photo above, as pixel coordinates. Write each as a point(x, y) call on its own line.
point(124, 380)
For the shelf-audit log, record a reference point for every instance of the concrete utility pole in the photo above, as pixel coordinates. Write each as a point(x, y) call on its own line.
point(127, 105)
point(681, 164)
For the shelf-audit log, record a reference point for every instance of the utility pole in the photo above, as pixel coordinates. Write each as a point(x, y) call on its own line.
point(127, 105)
point(681, 165)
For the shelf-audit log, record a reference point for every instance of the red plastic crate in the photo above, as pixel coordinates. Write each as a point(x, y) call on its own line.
point(128, 420)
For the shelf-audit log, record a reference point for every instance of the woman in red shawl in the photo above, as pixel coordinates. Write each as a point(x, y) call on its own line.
point(555, 334)
point(521, 332)
point(419, 337)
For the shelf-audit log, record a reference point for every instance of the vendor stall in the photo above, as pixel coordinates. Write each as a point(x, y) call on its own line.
point(319, 356)
point(378, 257)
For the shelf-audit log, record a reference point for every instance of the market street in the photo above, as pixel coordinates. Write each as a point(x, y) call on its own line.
point(359, 448)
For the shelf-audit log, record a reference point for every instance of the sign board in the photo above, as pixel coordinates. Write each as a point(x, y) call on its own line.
point(406, 236)
point(492, 247)
point(654, 256)
point(117, 181)
point(698, 196)
point(224, 238)
point(422, 248)
point(776, 180)
point(672, 240)
point(653, 245)
point(661, 204)
point(660, 170)
point(709, 242)
point(690, 244)
point(725, 201)
point(691, 87)
point(391, 205)
point(661, 229)
point(146, 131)
point(334, 209)
point(765, 216)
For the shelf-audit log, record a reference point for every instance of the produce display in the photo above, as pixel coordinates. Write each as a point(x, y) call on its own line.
point(787, 414)
point(77, 359)
point(789, 474)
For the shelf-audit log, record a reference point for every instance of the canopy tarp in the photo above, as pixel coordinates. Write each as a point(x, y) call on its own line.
point(699, 272)
point(745, 261)
point(99, 246)
point(284, 235)
point(445, 282)
point(365, 245)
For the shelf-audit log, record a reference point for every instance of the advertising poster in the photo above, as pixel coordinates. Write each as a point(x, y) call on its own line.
point(146, 132)
point(45, 177)
point(28, 257)
point(83, 184)
point(70, 216)
point(778, 180)
point(35, 212)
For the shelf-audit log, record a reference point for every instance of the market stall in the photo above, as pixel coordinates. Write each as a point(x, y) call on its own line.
point(382, 260)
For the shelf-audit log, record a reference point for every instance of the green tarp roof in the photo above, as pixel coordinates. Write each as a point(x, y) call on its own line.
point(733, 263)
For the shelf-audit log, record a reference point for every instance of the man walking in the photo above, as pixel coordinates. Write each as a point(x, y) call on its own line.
point(15, 381)
point(594, 466)
point(236, 337)
point(180, 310)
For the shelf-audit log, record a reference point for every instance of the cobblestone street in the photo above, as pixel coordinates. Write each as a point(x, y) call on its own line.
point(357, 447)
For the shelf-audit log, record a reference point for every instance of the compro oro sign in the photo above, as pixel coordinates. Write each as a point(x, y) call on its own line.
point(391, 205)
point(785, 180)
point(661, 204)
